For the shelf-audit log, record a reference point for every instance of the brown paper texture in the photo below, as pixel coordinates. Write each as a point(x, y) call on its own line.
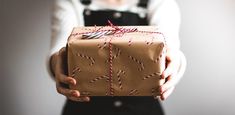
point(126, 64)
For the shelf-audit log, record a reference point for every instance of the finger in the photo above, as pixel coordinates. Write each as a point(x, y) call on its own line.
point(62, 53)
point(169, 70)
point(161, 82)
point(166, 94)
point(79, 99)
point(66, 92)
point(65, 79)
point(172, 63)
point(86, 98)
point(75, 99)
point(170, 82)
point(75, 96)
point(62, 90)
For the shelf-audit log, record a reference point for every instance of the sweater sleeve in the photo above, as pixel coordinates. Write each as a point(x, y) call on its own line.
point(166, 15)
point(63, 19)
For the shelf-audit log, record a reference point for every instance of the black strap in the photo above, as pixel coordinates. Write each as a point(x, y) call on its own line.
point(143, 3)
point(86, 2)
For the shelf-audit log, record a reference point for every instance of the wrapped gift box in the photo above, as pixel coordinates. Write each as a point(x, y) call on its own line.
point(116, 61)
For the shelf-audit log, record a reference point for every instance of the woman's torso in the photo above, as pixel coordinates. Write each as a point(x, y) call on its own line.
point(114, 105)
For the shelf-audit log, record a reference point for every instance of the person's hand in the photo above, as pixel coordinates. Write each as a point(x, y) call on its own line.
point(58, 66)
point(170, 74)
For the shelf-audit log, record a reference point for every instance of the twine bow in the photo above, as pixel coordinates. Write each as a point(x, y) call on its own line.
point(114, 31)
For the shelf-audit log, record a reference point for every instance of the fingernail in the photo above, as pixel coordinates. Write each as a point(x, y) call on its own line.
point(162, 98)
point(71, 82)
point(87, 99)
point(75, 94)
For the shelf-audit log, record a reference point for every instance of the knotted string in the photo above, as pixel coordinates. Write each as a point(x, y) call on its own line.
point(114, 31)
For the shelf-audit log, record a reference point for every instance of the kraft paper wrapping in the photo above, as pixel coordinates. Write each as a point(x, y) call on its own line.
point(121, 64)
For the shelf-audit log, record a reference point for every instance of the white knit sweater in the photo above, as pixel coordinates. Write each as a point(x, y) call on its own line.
point(69, 13)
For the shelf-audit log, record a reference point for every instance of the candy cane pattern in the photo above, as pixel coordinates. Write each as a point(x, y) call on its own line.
point(76, 69)
point(119, 77)
point(97, 33)
point(138, 62)
point(151, 75)
point(102, 46)
point(74, 34)
point(125, 30)
point(149, 42)
point(99, 78)
point(130, 42)
point(156, 60)
point(116, 55)
point(107, 94)
point(162, 53)
point(134, 92)
point(87, 57)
